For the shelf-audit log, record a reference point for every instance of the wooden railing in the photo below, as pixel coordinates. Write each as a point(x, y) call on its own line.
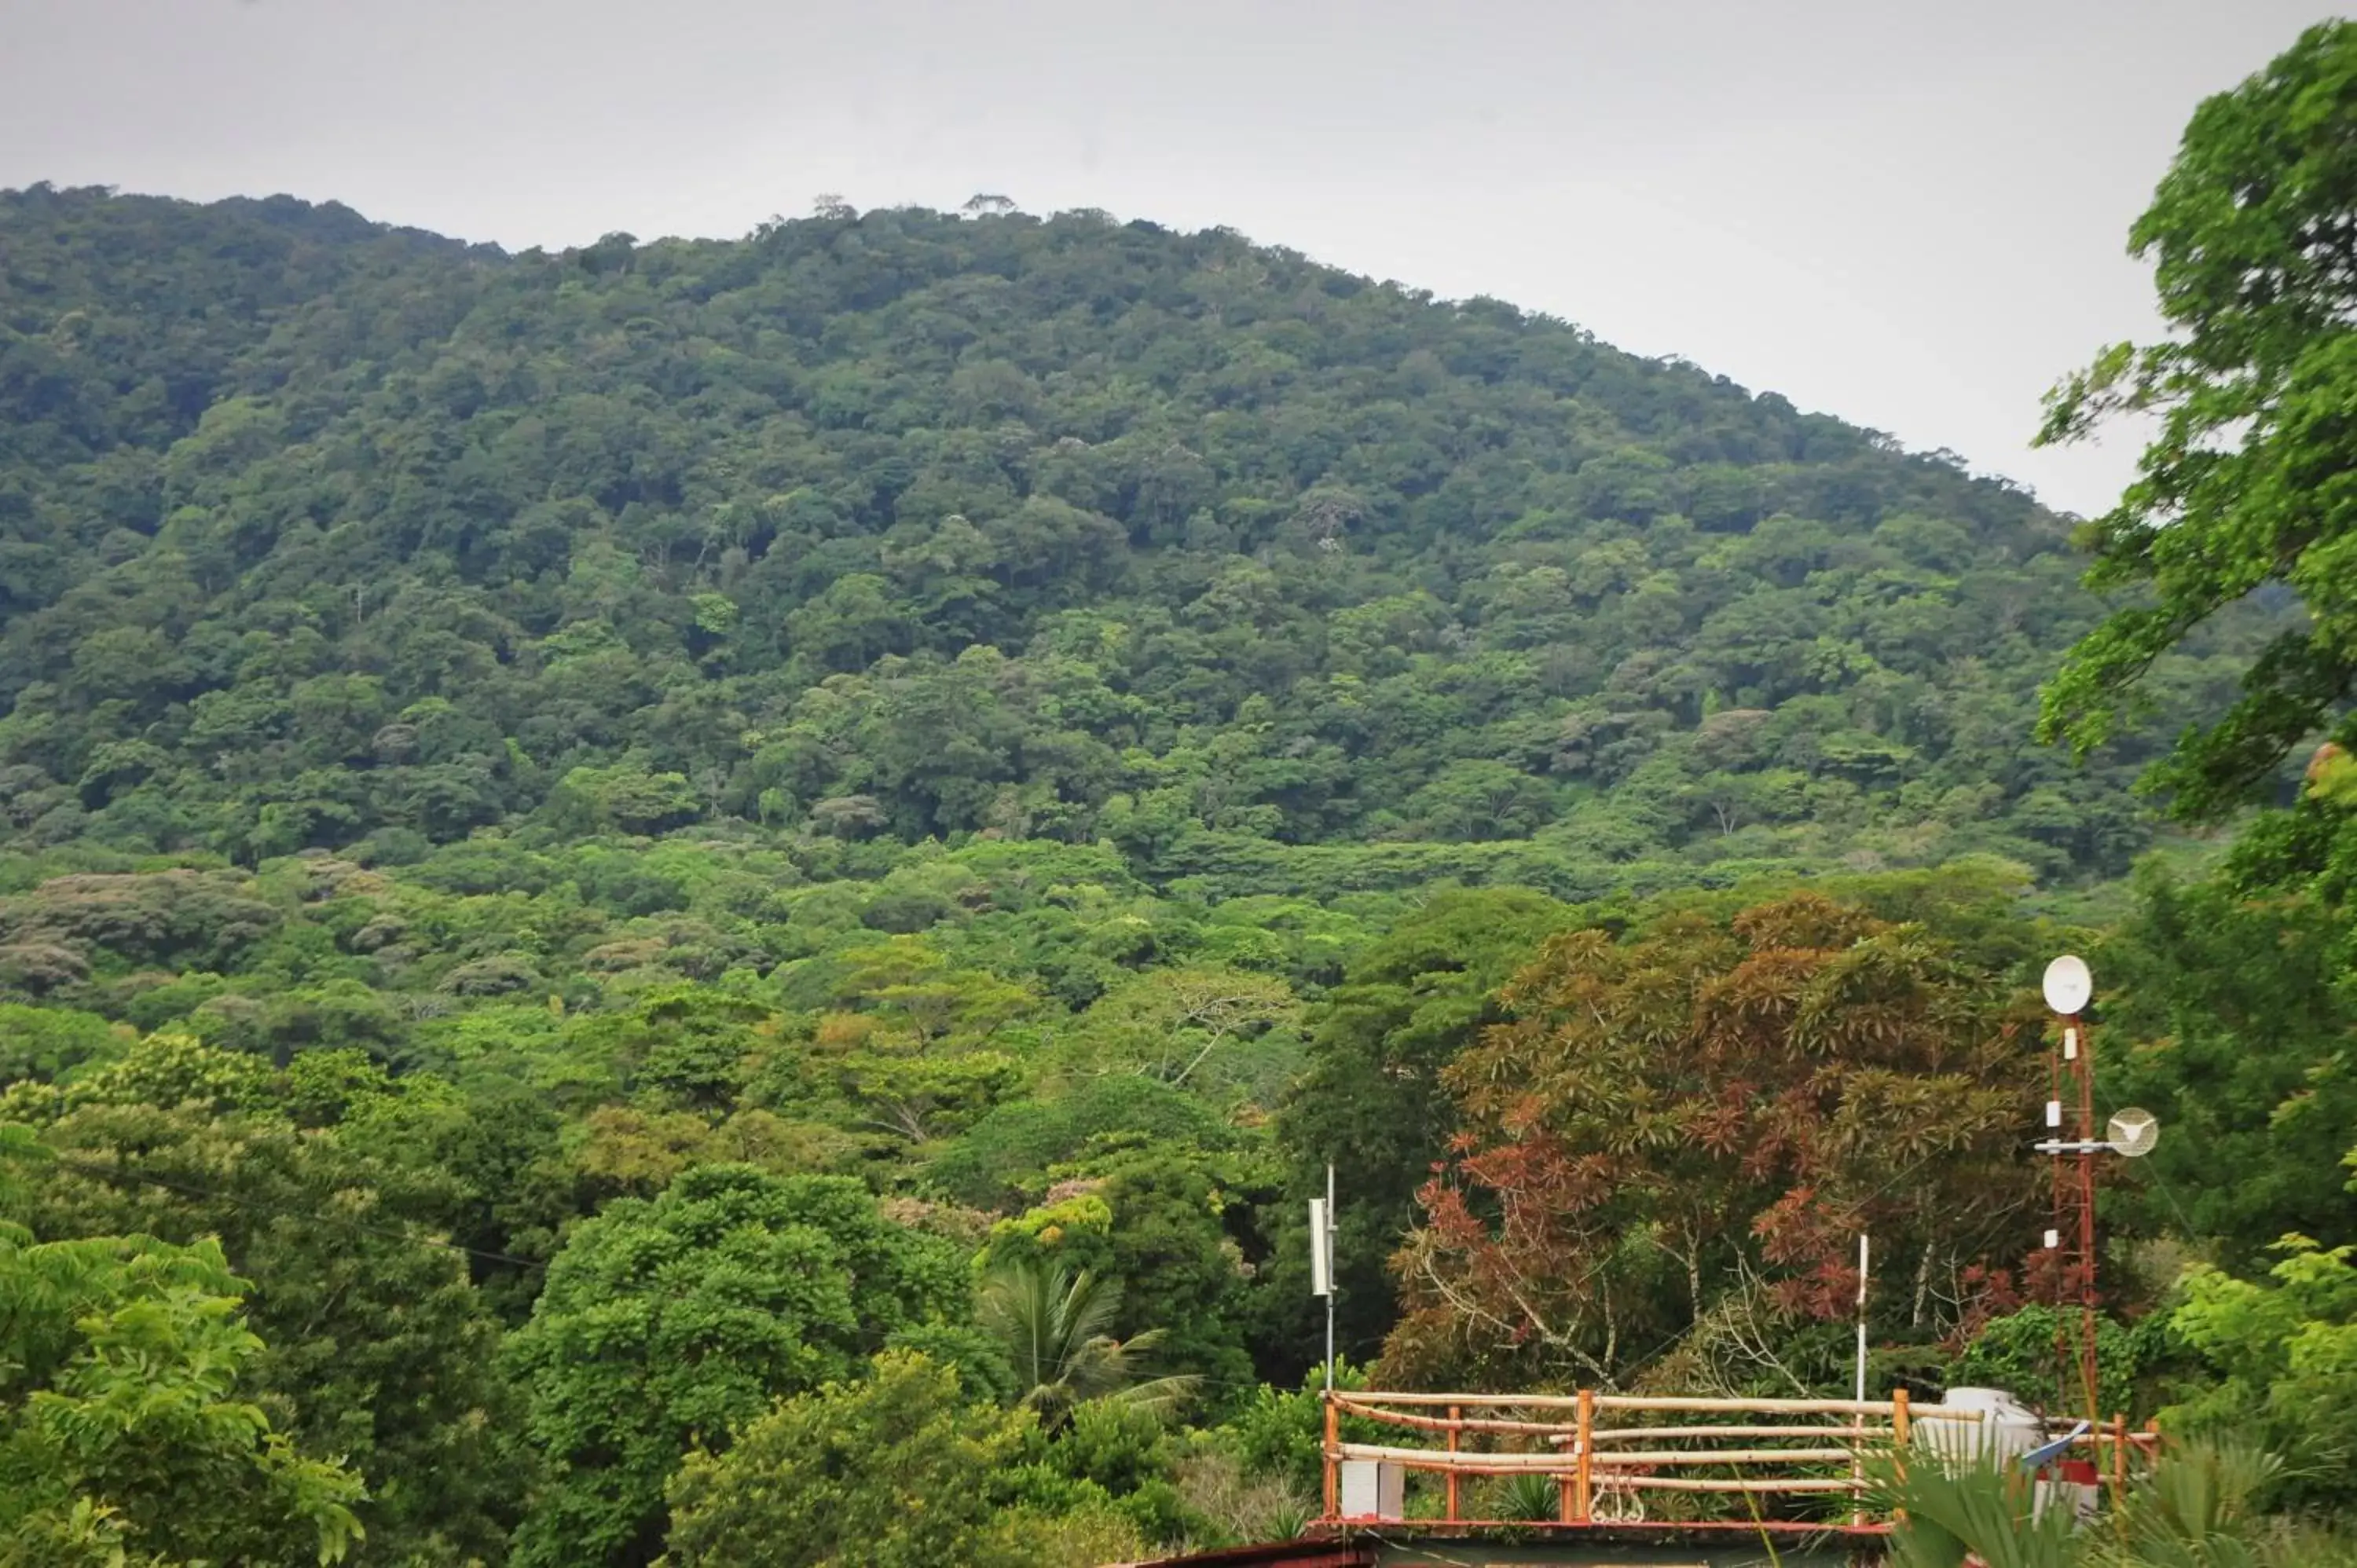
point(1607, 1452)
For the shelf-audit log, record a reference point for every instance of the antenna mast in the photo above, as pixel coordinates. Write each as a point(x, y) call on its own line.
point(1327, 1242)
point(1321, 1265)
point(2131, 1134)
point(2068, 987)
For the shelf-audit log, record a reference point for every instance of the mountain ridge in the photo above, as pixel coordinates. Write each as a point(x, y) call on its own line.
point(1270, 556)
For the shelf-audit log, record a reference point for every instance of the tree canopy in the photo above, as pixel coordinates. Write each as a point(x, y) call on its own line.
point(122, 1432)
point(670, 1322)
point(906, 524)
point(2245, 490)
point(1681, 1131)
point(712, 901)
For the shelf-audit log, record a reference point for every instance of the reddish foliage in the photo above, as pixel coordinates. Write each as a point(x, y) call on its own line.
point(1703, 1103)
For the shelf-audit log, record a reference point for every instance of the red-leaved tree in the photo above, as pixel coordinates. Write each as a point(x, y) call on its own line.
point(1673, 1148)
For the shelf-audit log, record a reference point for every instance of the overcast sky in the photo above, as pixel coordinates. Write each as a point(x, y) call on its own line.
point(1910, 214)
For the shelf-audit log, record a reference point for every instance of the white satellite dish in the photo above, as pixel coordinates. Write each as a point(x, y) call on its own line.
point(2067, 985)
point(2132, 1132)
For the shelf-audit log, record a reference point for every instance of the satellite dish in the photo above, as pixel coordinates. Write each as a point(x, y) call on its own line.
point(2132, 1132)
point(2067, 985)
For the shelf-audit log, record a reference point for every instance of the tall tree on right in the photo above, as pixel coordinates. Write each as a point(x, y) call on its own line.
point(2251, 481)
point(2248, 489)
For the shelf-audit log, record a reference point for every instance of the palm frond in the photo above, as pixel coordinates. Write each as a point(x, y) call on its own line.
point(1054, 1325)
point(1984, 1510)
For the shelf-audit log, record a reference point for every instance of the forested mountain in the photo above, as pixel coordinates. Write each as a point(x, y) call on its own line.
point(634, 882)
point(316, 534)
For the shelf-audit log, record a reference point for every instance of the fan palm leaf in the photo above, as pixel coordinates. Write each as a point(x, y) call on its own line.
point(1055, 1327)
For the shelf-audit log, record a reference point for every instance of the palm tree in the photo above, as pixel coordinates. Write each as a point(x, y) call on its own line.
point(1053, 1324)
point(1957, 1513)
point(2199, 1506)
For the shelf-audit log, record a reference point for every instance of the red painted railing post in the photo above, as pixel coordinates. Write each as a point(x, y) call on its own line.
point(1584, 1487)
point(1456, 1414)
point(1899, 1423)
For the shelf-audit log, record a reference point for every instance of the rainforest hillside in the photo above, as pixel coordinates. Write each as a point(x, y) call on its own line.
point(713, 902)
point(320, 534)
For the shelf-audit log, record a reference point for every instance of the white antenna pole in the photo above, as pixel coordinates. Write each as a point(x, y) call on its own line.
point(1326, 1245)
point(1861, 1320)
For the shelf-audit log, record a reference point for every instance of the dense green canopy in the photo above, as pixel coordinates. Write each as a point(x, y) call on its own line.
point(316, 534)
point(2246, 491)
point(644, 891)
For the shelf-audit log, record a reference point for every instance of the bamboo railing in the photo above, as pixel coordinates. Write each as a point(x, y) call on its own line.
point(1606, 1453)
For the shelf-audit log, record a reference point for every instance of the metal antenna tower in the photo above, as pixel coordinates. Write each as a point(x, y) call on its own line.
point(2069, 987)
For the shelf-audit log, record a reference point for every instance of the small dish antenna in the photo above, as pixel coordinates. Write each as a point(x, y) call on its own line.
point(2132, 1132)
point(2067, 985)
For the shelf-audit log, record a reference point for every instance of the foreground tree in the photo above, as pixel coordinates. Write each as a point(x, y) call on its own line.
point(896, 1470)
point(667, 1324)
point(2285, 1354)
point(2240, 1017)
point(375, 1350)
point(122, 1438)
point(1687, 1128)
point(2253, 234)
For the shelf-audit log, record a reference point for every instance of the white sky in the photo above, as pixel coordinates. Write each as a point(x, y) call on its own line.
point(1910, 214)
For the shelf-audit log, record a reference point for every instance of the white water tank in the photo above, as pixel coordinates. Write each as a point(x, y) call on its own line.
point(1373, 1488)
point(2005, 1431)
